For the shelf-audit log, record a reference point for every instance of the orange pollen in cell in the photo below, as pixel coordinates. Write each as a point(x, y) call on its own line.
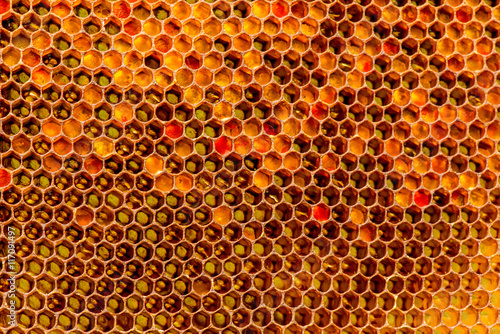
point(122, 10)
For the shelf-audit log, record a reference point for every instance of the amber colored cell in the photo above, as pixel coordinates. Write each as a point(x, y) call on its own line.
point(112, 59)
point(232, 128)
point(103, 147)
point(143, 43)
point(329, 162)
point(393, 147)
point(21, 144)
point(61, 9)
point(82, 42)
point(222, 215)
point(421, 164)
point(132, 27)
point(92, 95)
point(11, 56)
point(143, 78)
point(494, 96)
point(51, 128)
point(401, 97)
point(311, 127)
point(357, 146)
point(184, 77)
point(403, 197)
point(62, 146)
point(92, 59)
point(154, 164)
point(51, 163)
point(123, 112)
point(93, 164)
point(41, 41)
point(82, 146)
point(450, 181)
point(222, 111)
point(30, 58)
point(72, 128)
point(193, 95)
point(272, 161)
point(184, 182)
point(440, 164)
point(183, 148)
point(358, 215)
point(164, 182)
point(41, 76)
point(467, 114)
point(468, 180)
point(243, 145)
point(83, 217)
point(262, 179)
point(173, 60)
point(292, 161)
point(262, 144)
point(152, 27)
point(82, 112)
point(123, 77)
point(494, 163)
point(420, 130)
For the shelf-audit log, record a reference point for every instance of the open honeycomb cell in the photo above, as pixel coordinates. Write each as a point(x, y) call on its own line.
point(253, 167)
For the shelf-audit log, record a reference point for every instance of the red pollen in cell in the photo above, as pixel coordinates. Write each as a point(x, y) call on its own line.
point(192, 63)
point(321, 213)
point(391, 48)
point(4, 6)
point(5, 178)
point(463, 16)
point(319, 111)
point(280, 9)
point(271, 129)
point(223, 145)
point(422, 198)
point(173, 130)
point(367, 66)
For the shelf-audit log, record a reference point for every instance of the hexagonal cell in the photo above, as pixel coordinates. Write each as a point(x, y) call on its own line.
point(10, 92)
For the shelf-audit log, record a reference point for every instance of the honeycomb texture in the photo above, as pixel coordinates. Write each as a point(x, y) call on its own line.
point(255, 167)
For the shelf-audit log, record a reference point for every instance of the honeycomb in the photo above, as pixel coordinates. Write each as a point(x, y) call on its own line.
point(254, 167)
